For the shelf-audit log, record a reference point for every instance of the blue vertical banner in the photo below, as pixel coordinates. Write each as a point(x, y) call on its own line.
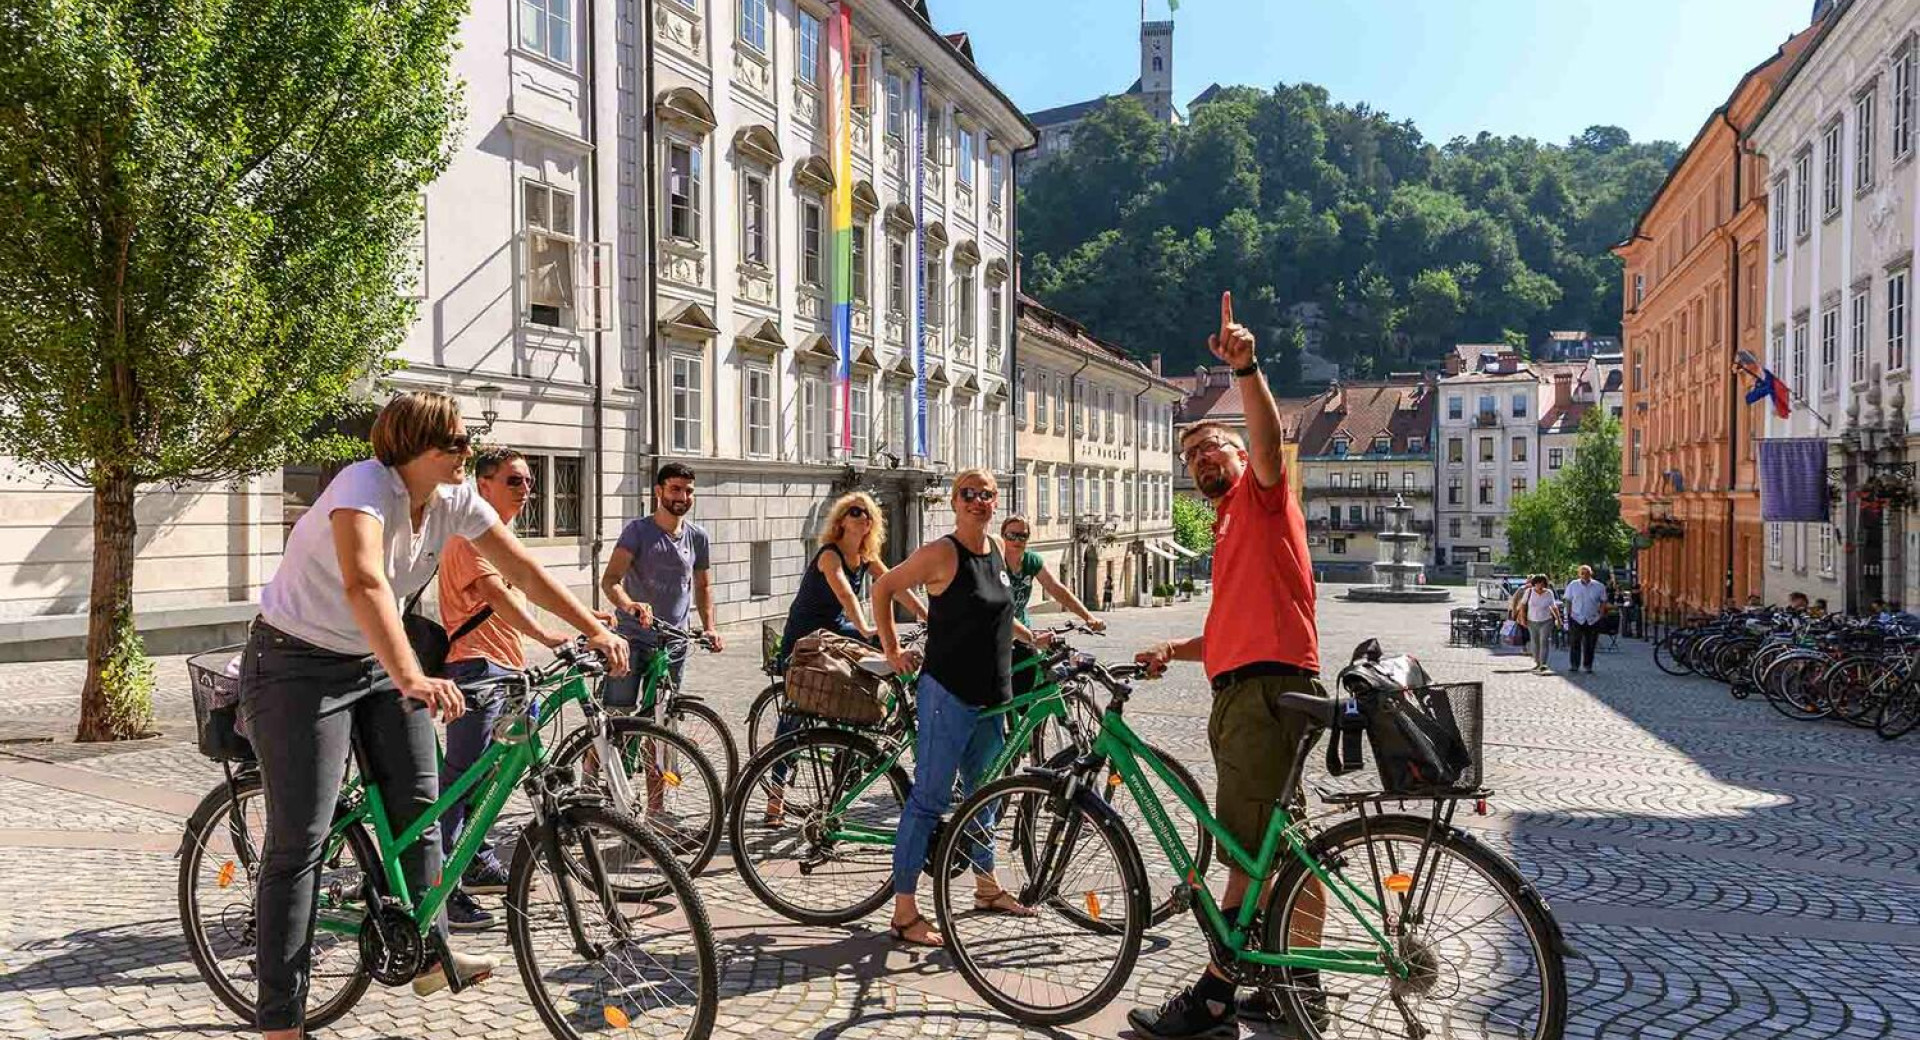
point(914, 157)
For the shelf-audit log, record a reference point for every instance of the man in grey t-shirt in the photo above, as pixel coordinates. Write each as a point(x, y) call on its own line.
point(658, 570)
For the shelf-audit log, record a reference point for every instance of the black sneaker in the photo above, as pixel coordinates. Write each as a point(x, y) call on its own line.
point(484, 879)
point(1259, 1007)
point(1185, 1016)
point(465, 915)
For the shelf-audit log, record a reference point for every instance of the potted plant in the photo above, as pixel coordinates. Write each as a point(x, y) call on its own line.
point(1162, 594)
point(1186, 588)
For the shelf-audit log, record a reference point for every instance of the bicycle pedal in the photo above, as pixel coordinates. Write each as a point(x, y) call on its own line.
point(1182, 897)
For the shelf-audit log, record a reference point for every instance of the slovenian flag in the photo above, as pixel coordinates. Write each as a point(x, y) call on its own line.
point(1766, 385)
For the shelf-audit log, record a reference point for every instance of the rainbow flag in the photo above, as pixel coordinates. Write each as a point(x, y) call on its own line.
point(914, 154)
point(840, 246)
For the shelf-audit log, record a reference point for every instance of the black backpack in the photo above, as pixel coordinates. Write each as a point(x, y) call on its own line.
point(1410, 723)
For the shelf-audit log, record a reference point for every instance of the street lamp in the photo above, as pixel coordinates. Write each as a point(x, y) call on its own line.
point(489, 408)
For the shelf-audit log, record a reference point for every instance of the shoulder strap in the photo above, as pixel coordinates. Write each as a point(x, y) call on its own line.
point(1343, 744)
point(479, 618)
point(414, 600)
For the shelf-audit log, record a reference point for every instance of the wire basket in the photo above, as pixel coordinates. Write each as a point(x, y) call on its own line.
point(216, 705)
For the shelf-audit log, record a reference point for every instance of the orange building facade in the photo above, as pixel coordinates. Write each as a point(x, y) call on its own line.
point(1695, 296)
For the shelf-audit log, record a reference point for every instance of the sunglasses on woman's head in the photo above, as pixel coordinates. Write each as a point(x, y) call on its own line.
point(856, 512)
point(974, 494)
point(517, 481)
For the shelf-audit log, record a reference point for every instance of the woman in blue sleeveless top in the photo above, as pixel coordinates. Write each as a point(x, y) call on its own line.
point(842, 568)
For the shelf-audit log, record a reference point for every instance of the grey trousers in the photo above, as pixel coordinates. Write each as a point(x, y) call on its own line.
point(303, 707)
point(1540, 633)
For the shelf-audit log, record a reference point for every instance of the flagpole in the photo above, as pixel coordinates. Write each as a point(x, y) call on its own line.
point(1792, 395)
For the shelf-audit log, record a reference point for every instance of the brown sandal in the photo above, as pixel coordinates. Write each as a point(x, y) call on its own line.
point(993, 904)
point(899, 932)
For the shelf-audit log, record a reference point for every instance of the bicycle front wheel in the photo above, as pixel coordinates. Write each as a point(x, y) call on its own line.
point(1483, 953)
point(610, 964)
point(219, 873)
point(1670, 655)
point(674, 791)
point(703, 726)
point(1050, 967)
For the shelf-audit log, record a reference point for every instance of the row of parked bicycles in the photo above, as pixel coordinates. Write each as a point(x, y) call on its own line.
point(1381, 922)
point(1859, 671)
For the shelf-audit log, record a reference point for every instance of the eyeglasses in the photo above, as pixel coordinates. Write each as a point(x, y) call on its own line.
point(1206, 447)
point(856, 512)
point(1015, 536)
point(517, 481)
point(457, 444)
point(974, 494)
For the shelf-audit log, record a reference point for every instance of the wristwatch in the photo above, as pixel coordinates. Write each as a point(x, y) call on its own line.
point(1252, 368)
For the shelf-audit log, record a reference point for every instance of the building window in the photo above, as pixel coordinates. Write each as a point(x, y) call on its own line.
point(858, 260)
point(996, 316)
point(1341, 445)
point(1803, 192)
point(1453, 527)
point(1486, 491)
point(1830, 170)
point(546, 28)
point(1486, 527)
point(753, 24)
point(754, 220)
point(1863, 139)
point(760, 569)
point(1337, 546)
point(1406, 481)
point(1489, 407)
point(1416, 445)
point(934, 283)
point(813, 232)
point(1108, 415)
point(1356, 516)
point(532, 521)
point(1486, 449)
point(996, 178)
point(1336, 480)
point(1780, 217)
point(1456, 450)
point(1633, 456)
point(1043, 501)
point(963, 303)
point(1857, 337)
point(1799, 365)
point(1554, 456)
point(549, 254)
point(1897, 321)
point(896, 276)
point(862, 418)
point(1453, 491)
point(896, 106)
point(1773, 544)
point(683, 191)
point(1520, 406)
point(813, 413)
point(931, 126)
point(687, 377)
point(1826, 549)
point(1382, 445)
point(1065, 489)
point(1519, 449)
point(965, 171)
point(1902, 101)
point(1519, 485)
point(862, 74)
point(1453, 406)
point(809, 48)
point(568, 485)
point(1639, 292)
point(1830, 349)
point(759, 390)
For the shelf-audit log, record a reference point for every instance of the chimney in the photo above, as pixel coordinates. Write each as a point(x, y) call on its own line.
point(1562, 389)
point(1451, 364)
point(1153, 362)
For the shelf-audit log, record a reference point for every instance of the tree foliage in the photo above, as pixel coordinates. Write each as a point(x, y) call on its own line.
point(1401, 247)
point(1574, 517)
point(209, 210)
point(1193, 519)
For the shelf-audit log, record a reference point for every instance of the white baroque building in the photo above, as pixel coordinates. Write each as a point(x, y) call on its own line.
point(1840, 138)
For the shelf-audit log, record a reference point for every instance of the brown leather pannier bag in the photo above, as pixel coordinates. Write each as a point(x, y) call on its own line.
point(824, 678)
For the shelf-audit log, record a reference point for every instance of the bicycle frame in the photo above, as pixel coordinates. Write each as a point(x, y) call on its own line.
point(1120, 747)
point(492, 777)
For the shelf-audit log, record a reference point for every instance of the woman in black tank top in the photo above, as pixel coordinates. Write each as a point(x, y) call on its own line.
point(970, 631)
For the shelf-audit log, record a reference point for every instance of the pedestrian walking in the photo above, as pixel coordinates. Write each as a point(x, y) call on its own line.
point(328, 663)
point(1261, 641)
point(1542, 608)
point(967, 670)
point(1586, 606)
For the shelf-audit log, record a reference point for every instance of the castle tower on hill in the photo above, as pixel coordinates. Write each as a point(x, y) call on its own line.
point(1154, 88)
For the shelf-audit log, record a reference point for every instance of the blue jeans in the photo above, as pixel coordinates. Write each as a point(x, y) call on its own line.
point(954, 740)
point(624, 691)
point(467, 739)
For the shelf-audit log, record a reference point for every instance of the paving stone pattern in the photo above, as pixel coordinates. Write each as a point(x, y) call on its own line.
point(1725, 871)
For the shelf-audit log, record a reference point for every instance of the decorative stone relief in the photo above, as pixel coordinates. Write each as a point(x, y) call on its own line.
point(806, 104)
point(1889, 235)
point(936, 341)
point(963, 203)
point(891, 155)
point(752, 72)
point(963, 349)
point(896, 329)
point(862, 319)
point(862, 134)
point(997, 220)
point(683, 263)
point(678, 28)
point(756, 284)
point(995, 360)
point(811, 305)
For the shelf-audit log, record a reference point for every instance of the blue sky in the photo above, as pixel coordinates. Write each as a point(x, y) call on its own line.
point(1541, 68)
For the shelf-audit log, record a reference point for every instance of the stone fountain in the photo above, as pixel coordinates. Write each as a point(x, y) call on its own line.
point(1397, 574)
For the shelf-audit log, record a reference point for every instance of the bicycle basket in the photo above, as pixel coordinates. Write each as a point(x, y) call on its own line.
point(824, 679)
point(216, 705)
point(1425, 740)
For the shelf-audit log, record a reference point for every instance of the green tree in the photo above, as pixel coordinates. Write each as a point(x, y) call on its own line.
point(1595, 533)
point(1193, 523)
point(210, 207)
point(1537, 530)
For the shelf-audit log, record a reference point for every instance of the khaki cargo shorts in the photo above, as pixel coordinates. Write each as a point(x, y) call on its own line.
point(1254, 742)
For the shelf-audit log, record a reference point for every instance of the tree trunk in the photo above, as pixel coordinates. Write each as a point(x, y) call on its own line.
point(116, 703)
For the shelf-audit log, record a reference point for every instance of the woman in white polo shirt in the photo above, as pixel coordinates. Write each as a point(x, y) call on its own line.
point(328, 659)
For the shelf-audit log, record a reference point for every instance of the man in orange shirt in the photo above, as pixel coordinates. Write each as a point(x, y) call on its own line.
point(487, 617)
point(1260, 640)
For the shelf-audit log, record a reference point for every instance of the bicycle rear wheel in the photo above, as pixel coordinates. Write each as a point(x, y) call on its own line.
point(1485, 956)
point(1670, 654)
point(1049, 968)
point(699, 723)
point(219, 874)
point(675, 792)
point(812, 826)
point(1899, 711)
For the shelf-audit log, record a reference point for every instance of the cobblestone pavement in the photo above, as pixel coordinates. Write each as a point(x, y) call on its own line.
point(1725, 871)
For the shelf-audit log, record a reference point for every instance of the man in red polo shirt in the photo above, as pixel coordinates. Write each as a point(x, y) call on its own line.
point(1260, 640)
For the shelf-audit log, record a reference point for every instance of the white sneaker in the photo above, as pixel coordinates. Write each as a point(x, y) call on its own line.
point(472, 970)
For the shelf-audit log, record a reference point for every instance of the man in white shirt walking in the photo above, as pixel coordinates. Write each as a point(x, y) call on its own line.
point(1586, 604)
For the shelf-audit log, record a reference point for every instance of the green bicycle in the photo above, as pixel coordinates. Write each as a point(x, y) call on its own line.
point(812, 821)
point(686, 714)
point(1428, 933)
point(605, 925)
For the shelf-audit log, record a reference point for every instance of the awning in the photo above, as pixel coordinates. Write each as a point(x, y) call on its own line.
point(1154, 548)
point(1181, 549)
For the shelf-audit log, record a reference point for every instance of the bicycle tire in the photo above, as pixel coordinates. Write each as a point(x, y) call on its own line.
point(689, 716)
point(1899, 711)
point(763, 717)
point(1197, 838)
point(693, 846)
point(832, 758)
point(1051, 737)
point(1345, 847)
point(533, 856)
point(1849, 684)
point(1668, 655)
point(1795, 695)
point(201, 836)
point(1094, 817)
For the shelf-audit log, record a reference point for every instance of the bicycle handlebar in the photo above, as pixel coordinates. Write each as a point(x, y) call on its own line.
point(681, 635)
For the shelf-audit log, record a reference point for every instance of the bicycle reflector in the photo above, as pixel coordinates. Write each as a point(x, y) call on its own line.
point(226, 873)
point(672, 778)
point(1397, 882)
point(615, 1017)
point(1093, 905)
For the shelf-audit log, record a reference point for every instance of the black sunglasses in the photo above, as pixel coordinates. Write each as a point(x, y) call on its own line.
point(856, 512)
point(974, 494)
point(517, 481)
point(458, 444)
point(1016, 536)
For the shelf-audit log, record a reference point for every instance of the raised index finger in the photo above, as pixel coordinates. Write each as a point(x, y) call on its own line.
point(1226, 313)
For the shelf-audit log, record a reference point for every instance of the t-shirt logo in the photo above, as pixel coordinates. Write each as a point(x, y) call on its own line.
point(1004, 580)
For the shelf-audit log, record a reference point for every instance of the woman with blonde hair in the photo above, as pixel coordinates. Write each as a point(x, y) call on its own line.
point(848, 558)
